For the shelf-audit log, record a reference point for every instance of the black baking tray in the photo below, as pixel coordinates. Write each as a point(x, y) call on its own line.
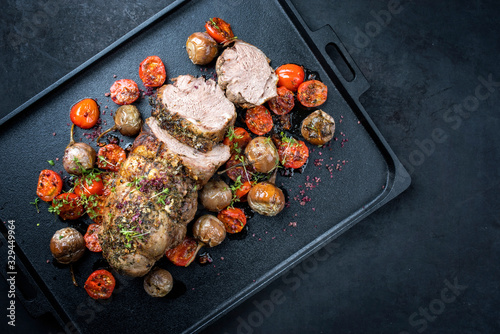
point(344, 181)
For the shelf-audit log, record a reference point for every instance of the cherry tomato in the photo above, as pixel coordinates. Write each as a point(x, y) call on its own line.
point(245, 172)
point(92, 238)
point(111, 157)
point(290, 76)
point(234, 219)
point(283, 103)
point(219, 30)
point(259, 120)
point(49, 185)
point(312, 93)
point(68, 206)
point(237, 139)
point(85, 113)
point(100, 284)
point(89, 185)
point(152, 72)
point(293, 153)
point(185, 253)
point(243, 190)
point(124, 91)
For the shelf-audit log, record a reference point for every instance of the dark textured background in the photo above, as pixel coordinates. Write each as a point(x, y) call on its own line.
point(390, 272)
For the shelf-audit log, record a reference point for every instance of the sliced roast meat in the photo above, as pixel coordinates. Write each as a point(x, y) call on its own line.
point(195, 111)
point(201, 166)
point(244, 72)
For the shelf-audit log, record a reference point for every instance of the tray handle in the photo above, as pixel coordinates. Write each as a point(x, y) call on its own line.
point(334, 53)
point(26, 290)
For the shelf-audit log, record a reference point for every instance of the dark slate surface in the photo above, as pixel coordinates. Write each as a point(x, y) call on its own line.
point(427, 261)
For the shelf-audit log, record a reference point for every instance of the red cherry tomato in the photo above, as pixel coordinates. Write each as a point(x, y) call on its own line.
point(259, 120)
point(293, 153)
point(92, 238)
point(49, 185)
point(68, 206)
point(152, 72)
point(84, 113)
point(290, 76)
point(219, 30)
point(312, 93)
point(234, 219)
point(185, 253)
point(124, 91)
point(237, 139)
point(244, 172)
point(89, 185)
point(100, 284)
point(243, 190)
point(111, 157)
point(283, 103)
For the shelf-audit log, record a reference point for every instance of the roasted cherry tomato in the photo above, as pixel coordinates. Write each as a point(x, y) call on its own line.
point(259, 120)
point(100, 284)
point(290, 76)
point(293, 153)
point(49, 185)
point(111, 157)
point(237, 138)
point(124, 91)
point(85, 113)
point(89, 185)
point(68, 206)
point(234, 219)
point(312, 93)
point(152, 72)
point(242, 191)
point(185, 253)
point(244, 172)
point(92, 238)
point(283, 103)
point(219, 30)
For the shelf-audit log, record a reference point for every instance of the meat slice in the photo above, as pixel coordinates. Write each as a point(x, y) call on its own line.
point(193, 110)
point(200, 166)
point(147, 213)
point(244, 72)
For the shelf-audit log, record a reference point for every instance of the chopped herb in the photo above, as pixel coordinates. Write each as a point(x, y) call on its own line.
point(51, 162)
point(35, 203)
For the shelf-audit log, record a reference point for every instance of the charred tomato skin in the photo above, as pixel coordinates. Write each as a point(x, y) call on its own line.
point(184, 253)
point(259, 120)
point(92, 238)
point(100, 284)
point(86, 186)
point(69, 206)
point(49, 185)
point(111, 157)
point(152, 72)
point(290, 76)
point(237, 139)
point(234, 219)
point(84, 113)
point(283, 103)
point(219, 30)
point(293, 154)
point(312, 93)
point(124, 91)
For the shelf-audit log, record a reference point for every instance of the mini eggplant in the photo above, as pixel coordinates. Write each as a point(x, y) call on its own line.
point(216, 195)
point(262, 154)
point(266, 199)
point(318, 128)
point(127, 120)
point(201, 48)
point(209, 230)
point(78, 156)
